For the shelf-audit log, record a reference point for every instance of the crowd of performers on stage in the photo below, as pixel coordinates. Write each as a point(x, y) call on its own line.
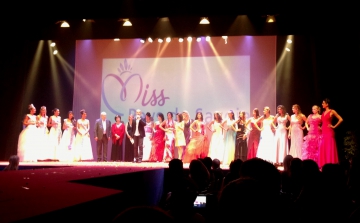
point(227, 137)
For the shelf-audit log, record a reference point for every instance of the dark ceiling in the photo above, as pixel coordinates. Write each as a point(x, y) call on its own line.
point(37, 20)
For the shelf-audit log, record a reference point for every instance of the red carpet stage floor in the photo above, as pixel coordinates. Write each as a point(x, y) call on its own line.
point(53, 191)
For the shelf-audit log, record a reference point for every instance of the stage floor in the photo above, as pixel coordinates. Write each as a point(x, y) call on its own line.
point(39, 188)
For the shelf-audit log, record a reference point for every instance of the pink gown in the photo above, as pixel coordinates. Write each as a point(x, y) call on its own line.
point(328, 150)
point(310, 148)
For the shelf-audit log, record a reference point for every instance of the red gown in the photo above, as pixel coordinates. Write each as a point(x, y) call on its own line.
point(157, 151)
point(328, 150)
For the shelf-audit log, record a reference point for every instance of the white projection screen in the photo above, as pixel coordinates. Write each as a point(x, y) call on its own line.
point(119, 77)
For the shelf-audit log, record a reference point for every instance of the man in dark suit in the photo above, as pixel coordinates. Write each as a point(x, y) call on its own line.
point(139, 134)
point(102, 132)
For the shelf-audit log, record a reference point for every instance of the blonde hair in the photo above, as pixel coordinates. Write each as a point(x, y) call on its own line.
point(299, 111)
point(318, 108)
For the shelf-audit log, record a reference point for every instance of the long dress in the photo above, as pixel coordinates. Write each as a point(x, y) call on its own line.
point(83, 148)
point(28, 142)
point(281, 140)
point(147, 141)
point(328, 149)
point(241, 149)
point(266, 149)
point(157, 151)
point(169, 142)
point(129, 146)
point(216, 148)
point(117, 144)
point(310, 149)
point(198, 146)
point(229, 143)
point(297, 137)
point(43, 137)
point(187, 134)
point(67, 143)
point(54, 138)
point(253, 139)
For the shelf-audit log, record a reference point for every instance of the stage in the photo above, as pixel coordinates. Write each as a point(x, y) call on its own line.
point(43, 191)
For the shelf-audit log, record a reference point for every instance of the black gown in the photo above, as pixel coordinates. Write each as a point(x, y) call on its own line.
point(241, 148)
point(129, 147)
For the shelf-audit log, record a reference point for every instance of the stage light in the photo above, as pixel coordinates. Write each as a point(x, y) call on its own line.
point(88, 20)
point(142, 40)
point(287, 49)
point(63, 24)
point(126, 22)
point(55, 52)
point(168, 39)
point(198, 39)
point(189, 39)
point(204, 20)
point(116, 39)
point(289, 41)
point(270, 19)
point(225, 38)
point(207, 38)
point(150, 40)
point(181, 40)
point(52, 44)
point(160, 40)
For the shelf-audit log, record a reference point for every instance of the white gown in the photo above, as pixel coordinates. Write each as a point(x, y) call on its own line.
point(83, 148)
point(266, 149)
point(28, 142)
point(147, 141)
point(67, 143)
point(43, 138)
point(216, 148)
point(281, 140)
point(54, 138)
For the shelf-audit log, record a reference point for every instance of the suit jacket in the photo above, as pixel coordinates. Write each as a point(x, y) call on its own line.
point(99, 131)
point(140, 127)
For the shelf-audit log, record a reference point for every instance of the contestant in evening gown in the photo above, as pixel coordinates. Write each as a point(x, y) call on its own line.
point(29, 138)
point(54, 135)
point(180, 142)
point(83, 148)
point(281, 135)
point(229, 139)
point(187, 131)
point(328, 150)
point(42, 121)
point(67, 143)
point(216, 148)
point(310, 149)
point(266, 149)
point(148, 139)
point(129, 143)
point(157, 151)
point(296, 133)
point(254, 134)
point(168, 126)
point(198, 146)
point(241, 149)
